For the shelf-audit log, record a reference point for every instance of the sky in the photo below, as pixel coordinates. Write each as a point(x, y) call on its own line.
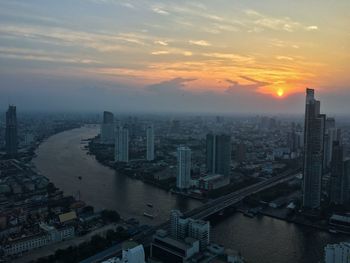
point(230, 56)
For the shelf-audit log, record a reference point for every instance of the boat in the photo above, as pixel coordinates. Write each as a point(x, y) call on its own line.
point(149, 204)
point(148, 215)
point(248, 214)
point(333, 231)
point(79, 177)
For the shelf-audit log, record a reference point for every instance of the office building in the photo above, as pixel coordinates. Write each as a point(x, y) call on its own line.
point(241, 152)
point(346, 182)
point(121, 146)
point(183, 177)
point(199, 230)
point(170, 250)
point(337, 174)
point(11, 139)
point(331, 135)
point(337, 253)
point(178, 225)
point(218, 155)
point(150, 143)
point(181, 227)
point(313, 152)
point(107, 128)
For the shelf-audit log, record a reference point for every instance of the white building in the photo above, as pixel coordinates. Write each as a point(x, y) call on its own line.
point(183, 177)
point(150, 143)
point(199, 230)
point(181, 227)
point(132, 253)
point(337, 253)
point(121, 146)
point(48, 235)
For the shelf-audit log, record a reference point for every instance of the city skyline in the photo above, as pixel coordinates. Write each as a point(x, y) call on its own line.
point(157, 56)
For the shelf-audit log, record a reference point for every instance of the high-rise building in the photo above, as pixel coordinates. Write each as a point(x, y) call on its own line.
point(178, 225)
point(200, 230)
point(183, 177)
point(313, 152)
point(241, 152)
point(11, 132)
point(346, 182)
point(181, 227)
point(150, 143)
point(337, 174)
point(121, 146)
point(337, 253)
point(107, 128)
point(218, 154)
point(332, 134)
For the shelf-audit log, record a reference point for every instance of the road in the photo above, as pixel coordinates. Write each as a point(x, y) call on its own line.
point(208, 209)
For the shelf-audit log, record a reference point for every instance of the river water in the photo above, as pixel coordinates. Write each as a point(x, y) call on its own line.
point(62, 159)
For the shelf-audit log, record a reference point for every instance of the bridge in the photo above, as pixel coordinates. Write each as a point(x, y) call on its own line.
point(208, 209)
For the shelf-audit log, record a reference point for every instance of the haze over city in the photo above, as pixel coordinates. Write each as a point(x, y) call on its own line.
point(166, 56)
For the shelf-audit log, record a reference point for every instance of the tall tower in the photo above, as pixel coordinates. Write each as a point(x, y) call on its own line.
point(150, 143)
point(218, 154)
point(107, 128)
point(121, 146)
point(184, 167)
point(11, 132)
point(313, 152)
point(337, 173)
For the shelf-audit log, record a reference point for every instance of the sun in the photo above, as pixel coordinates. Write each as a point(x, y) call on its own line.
point(280, 92)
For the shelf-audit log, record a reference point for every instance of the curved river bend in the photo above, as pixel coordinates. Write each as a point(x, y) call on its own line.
point(265, 240)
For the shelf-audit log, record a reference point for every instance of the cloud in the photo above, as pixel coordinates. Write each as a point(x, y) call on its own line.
point(162, 43)
point(201, 43)
point(230, 56)
point(284, 58)
point(160, 11)
point(172, 85)
point(128, 5)
point(273, 23)
point(41, 55)
point(160, 52)
point(311, 28)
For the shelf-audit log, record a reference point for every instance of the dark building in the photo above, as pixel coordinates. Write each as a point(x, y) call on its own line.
point(11, 132)
point(346, 182)
point(108, 117)
point(218, 154)
point(337, 174)
point(241, 152)
point(314, 130)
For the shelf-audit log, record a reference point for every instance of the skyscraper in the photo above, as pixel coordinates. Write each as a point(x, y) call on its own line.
point(183, 177)
point(332, 134)
point(346, 182)
point(337, 174)
point(150, 143)
point(121, 146)
point(107, 128)
point(313, 152)
point(11, 132)
point(218, 154)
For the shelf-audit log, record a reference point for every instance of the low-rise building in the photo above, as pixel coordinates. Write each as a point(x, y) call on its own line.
point(337, 253)
point(47, 235)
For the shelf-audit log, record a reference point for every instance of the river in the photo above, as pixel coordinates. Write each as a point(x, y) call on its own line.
point(62, 159)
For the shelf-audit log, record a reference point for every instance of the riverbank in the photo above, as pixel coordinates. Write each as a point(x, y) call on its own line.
point(262, 239)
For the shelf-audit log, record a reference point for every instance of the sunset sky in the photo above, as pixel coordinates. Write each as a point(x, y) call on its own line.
point(199, 56)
